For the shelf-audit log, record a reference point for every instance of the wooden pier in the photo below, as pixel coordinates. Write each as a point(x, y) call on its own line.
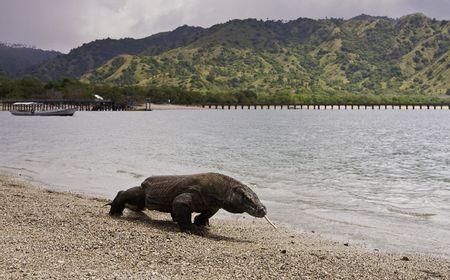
point(80, 105)
point(324, 106)
point(97, 105)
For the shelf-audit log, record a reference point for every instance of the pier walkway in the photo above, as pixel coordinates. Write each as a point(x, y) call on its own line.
point(89, 105)
point(322, 106)
point(80, 105)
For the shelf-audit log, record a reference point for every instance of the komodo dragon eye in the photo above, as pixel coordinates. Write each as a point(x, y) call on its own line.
point(246, 200)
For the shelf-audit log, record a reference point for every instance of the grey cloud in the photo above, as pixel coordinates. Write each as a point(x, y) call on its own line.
point(439, 9)
point(44, 23)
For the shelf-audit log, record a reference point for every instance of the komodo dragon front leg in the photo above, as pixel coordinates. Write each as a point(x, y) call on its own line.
point(182, 208)
point(203, 218)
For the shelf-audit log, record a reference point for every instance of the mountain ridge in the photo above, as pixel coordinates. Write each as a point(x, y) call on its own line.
point(93, 54)
point(380, 55)
point(365, 54)
point(15, 58)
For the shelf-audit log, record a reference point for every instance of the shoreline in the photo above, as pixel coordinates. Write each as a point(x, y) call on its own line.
point(252, 107)
point(157, 107)
point(50, 234)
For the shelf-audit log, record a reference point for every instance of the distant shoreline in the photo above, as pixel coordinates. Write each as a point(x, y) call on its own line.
point(258, 107)
point(48, 234)
point(109, 106)
point(141, 107)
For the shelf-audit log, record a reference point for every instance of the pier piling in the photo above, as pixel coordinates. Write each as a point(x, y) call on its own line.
point(325, 106)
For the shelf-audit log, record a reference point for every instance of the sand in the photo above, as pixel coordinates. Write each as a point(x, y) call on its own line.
point(52, 235)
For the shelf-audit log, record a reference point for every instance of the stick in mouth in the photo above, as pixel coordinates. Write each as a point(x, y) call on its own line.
point(267, 219)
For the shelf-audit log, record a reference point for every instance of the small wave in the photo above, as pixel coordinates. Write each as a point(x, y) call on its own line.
point(18, 169)
point(135, 175)
point(410, 213)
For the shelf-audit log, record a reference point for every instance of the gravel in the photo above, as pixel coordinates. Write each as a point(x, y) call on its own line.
point(53, 235)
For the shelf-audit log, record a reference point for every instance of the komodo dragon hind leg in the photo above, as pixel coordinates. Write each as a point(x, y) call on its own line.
point(133, 199)
point(117, 205)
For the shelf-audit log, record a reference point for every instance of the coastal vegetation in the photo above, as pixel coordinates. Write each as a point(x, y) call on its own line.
point(31, 88)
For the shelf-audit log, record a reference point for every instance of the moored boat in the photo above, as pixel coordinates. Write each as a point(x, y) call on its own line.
point(29, 109)
point(59, 112)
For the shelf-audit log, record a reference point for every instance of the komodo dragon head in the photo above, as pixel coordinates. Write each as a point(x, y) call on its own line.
point(242, 199)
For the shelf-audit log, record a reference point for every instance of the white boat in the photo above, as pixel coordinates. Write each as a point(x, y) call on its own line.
point(28, 109)
point(59, 112)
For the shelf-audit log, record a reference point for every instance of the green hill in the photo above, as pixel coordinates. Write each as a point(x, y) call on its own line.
point(364, 54)
point(92, 55)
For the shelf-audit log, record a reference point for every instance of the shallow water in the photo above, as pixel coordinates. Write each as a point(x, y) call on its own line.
point(381, 177)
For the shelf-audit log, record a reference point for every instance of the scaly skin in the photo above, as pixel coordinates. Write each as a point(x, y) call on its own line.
point(183, 195)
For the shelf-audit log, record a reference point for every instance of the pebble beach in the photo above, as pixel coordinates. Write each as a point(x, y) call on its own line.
point(54, 235)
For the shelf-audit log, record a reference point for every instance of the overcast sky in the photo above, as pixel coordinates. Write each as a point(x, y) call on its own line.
point(66, 24)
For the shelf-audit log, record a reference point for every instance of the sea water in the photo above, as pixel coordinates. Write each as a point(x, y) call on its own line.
point(374, 177)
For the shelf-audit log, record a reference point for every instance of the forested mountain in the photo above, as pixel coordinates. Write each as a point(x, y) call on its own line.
point(364, 54)
point(91, 55)
point(16, 58)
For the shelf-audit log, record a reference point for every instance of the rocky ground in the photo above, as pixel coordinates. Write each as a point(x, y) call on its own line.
point(50, 235)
